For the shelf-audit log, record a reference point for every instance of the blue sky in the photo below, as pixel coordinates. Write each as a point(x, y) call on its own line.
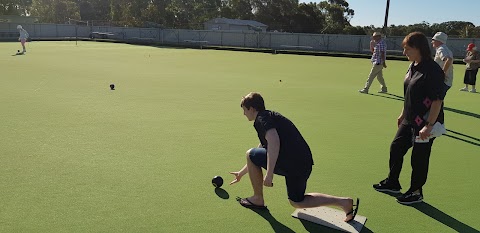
point(406, 12)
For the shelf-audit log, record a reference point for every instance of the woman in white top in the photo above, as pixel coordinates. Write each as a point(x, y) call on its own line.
point(23, 37)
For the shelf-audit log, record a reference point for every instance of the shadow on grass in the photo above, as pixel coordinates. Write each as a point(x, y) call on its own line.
point(464, 135)
point(443, 218)
point(18, 54)
point(461, 139)
point(277, 226)
point(438, 215)
point(391, 194)
point(400, 98)
point(462, 112)
point(222, 193)
point(316, 228)
point(389, 96)
point(470, 140)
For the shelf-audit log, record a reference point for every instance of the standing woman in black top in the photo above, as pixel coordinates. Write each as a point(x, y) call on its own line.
point(423, 107)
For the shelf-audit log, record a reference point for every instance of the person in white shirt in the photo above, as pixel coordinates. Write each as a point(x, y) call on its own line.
point(443, 57)
point(23, 37)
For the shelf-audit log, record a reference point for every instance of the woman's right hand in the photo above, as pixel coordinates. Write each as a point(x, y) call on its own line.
point(237, 179)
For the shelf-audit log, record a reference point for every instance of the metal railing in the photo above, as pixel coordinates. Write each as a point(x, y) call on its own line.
point(356, 44)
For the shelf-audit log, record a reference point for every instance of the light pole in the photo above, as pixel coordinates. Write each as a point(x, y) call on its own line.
point(385, 24)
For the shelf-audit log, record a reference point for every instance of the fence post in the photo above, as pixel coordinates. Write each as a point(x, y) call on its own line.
point(244, 38)
point(270, 41)
point(360, 50)
point(328, 43)
point(258, 39)
point(162, 34)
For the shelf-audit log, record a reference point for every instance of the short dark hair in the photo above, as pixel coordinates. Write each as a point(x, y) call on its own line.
point(418, 41)
point(253, 100)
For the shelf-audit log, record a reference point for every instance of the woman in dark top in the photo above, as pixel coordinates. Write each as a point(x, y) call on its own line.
point(423, 107)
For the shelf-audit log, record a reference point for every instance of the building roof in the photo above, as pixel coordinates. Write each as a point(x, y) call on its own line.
point(237, 22)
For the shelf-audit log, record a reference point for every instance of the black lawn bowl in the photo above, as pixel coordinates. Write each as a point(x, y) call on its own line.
point(217, 181)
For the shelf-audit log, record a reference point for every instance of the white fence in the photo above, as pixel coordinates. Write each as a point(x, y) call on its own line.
point(243, 39)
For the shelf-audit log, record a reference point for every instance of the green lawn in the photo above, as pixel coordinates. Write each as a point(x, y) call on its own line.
point(77, 157)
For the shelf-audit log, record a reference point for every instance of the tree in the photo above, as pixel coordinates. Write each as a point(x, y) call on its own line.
point(277, 14)
point(193, 13)
point(237, 9)
point(453, 28)
point(358, 30)
point(423, 27)
point(337, 14)
point(475, 32)
point(400, 30)
point(157, 12)
point(308, 19)
point(15, 7)
point(55, 11)
point(94, 9)
point(129, 12)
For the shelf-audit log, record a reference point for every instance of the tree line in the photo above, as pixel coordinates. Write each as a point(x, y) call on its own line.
point(329, 17)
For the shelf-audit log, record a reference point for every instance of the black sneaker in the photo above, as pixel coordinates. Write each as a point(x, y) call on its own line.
point(385, 186)
point(410, 198)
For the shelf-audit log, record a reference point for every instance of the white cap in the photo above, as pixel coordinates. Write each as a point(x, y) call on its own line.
point(377, 34)
point(19, 27)
point(440, 36)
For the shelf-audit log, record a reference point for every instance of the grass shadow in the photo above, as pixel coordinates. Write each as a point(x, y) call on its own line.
point(461, 139)
point(389, 96)
point(462, 112)
point(475, 141)
point(222, 193)
point(443, 218)
point(396, 96)
point(400, 98)
point(316, 228)
point(391, 194)
point(18, 54)
point(464, 135)
point(277, 226)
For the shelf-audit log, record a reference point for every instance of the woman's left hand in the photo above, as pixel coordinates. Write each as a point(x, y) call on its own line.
point(425, 132)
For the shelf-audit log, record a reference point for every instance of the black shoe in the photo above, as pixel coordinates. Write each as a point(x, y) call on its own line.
point(410, 198)
point(385, 186)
